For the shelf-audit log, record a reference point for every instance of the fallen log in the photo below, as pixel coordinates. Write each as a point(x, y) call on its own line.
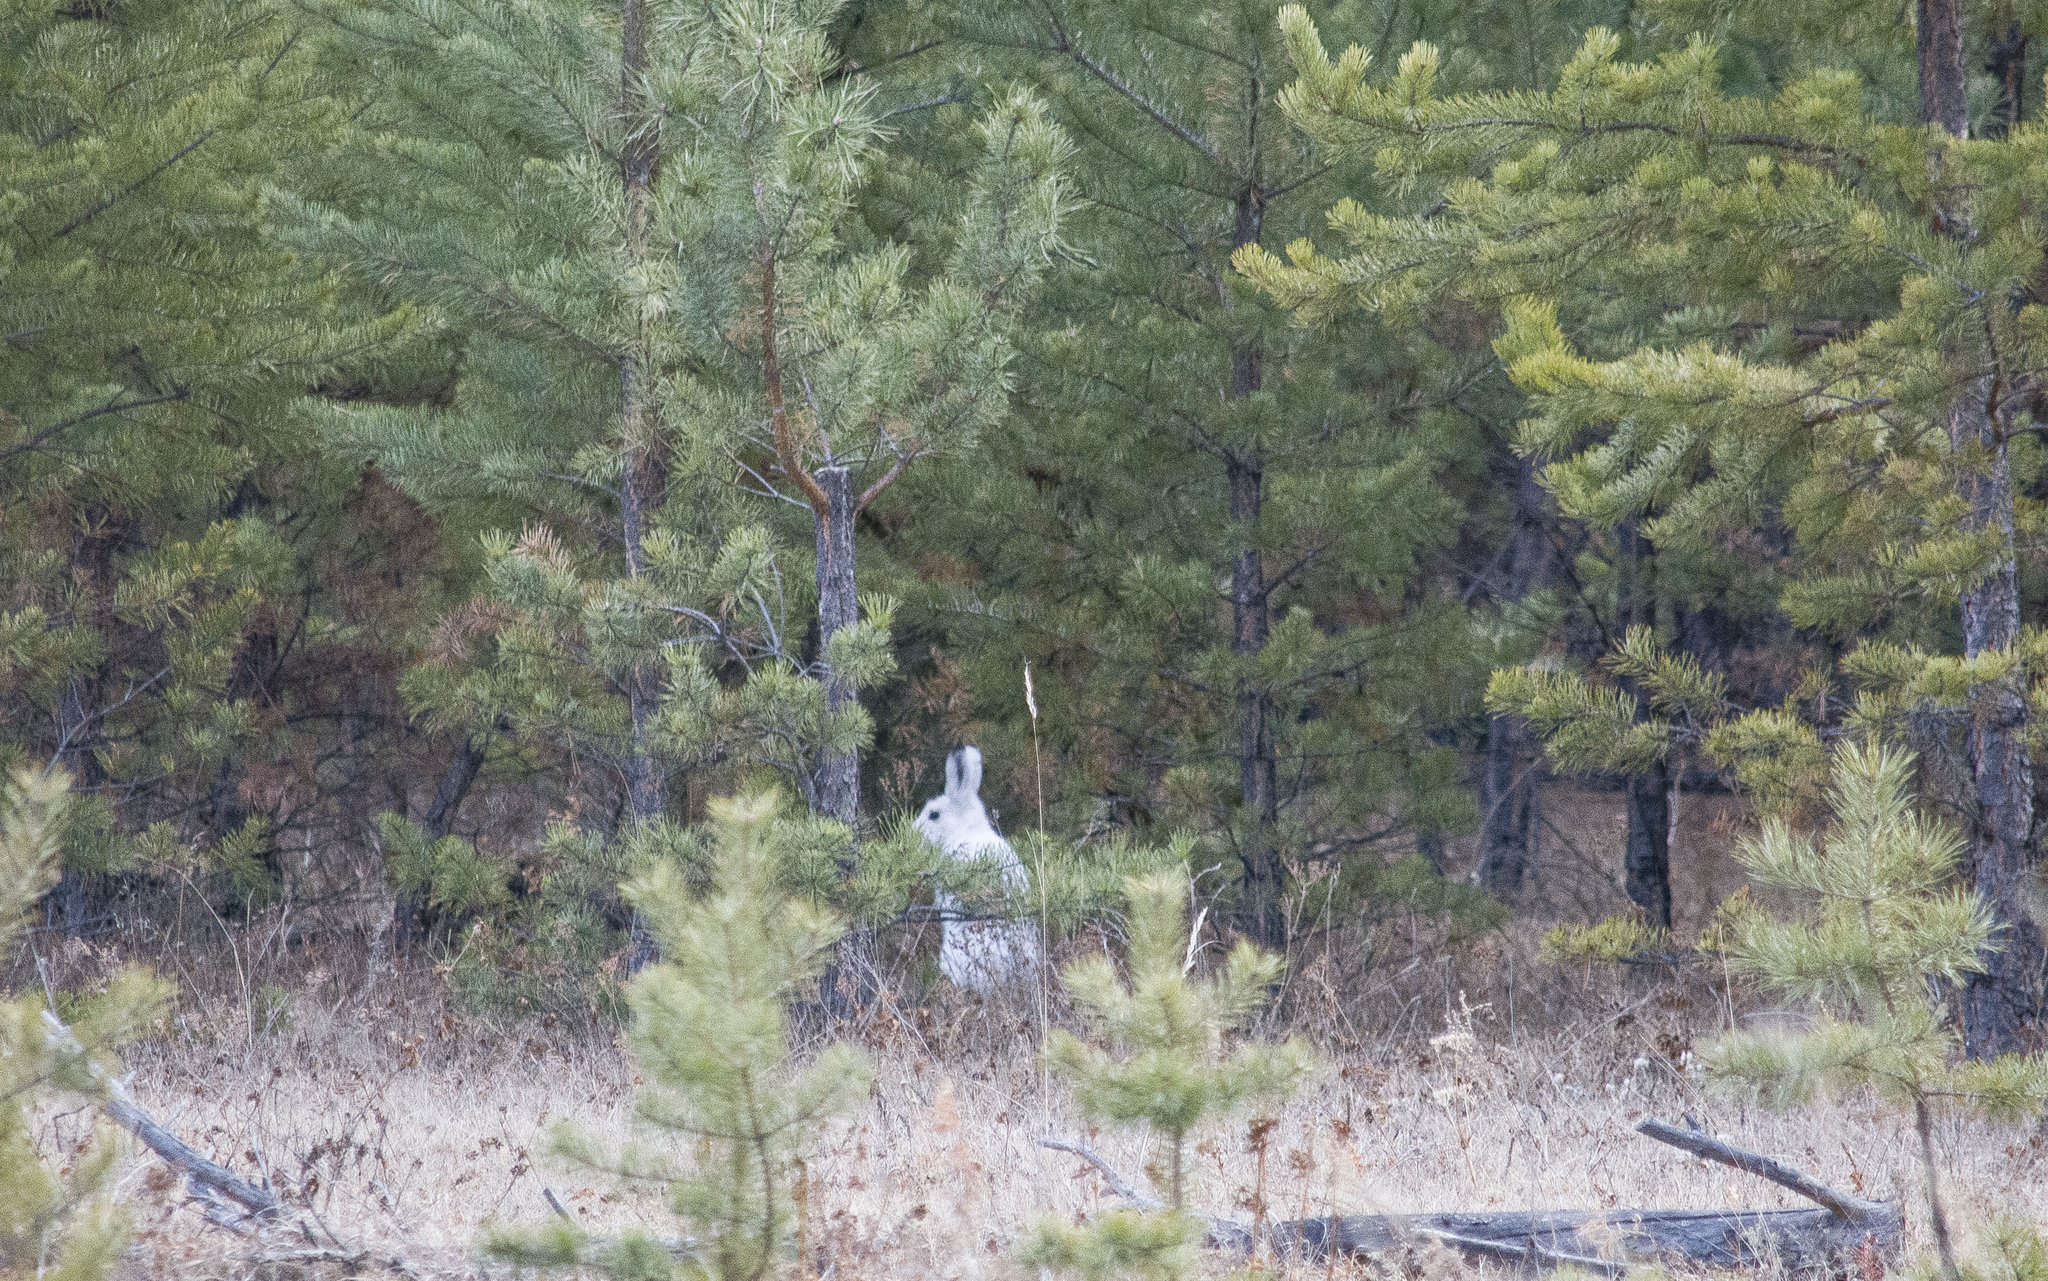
point(227, 1198)
point(1799, 1240)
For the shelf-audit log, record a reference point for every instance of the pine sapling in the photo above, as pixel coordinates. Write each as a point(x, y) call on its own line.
point(1889, 934)
point(710, 1031)
point(56, 1224)
point(1167, 1065)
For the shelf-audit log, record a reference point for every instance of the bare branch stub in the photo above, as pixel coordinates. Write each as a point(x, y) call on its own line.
point(1851, 1208)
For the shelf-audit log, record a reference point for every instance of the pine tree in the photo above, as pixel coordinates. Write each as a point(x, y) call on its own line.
point(1889, 924)
point(54, 1223)
point(1167, 1067)
point(154, 341)
point(1203, 530)
point(1722, 251)
point(641, 221)
point(710, 1031)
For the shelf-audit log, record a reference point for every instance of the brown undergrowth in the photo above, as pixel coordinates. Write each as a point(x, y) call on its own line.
point(398, 1123)
point(405, 1127)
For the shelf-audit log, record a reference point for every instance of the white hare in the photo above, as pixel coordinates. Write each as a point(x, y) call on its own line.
point(976, 954)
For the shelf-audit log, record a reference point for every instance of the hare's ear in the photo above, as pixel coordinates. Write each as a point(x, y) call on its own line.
point(953, 774)
point(970, 770)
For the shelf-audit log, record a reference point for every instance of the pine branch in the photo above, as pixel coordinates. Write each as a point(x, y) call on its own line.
point(778, 414)
point(1064, 45)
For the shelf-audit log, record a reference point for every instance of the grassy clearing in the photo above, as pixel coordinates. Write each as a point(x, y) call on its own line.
point(1482, 1081)
point(406, 1128)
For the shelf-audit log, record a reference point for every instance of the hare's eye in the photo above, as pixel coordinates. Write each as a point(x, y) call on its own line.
point(933, 812)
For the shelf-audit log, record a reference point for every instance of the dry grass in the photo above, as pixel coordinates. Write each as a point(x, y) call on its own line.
point(406, 1129)
point(402, 1125)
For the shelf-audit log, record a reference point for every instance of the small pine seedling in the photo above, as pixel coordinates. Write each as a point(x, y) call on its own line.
point(60, 1225)
point(1888, 930)
point(1167, 1066)
point(710, 1030)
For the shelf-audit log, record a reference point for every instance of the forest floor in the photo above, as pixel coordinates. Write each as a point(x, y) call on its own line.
point(401, 1125)
point(406, 1130)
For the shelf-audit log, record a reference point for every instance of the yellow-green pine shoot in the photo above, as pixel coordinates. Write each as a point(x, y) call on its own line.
point(1165, 1062)
point(57, 1225)
point(710, 1031)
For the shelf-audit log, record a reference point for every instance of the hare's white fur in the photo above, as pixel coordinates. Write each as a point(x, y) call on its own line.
point(976, 954)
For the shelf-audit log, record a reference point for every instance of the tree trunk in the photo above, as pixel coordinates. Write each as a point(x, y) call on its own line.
point(645, 480)
point(1263, 917)
point(1646, 853)
point(643, 483)
point(1646, 862)
point(2002, 1005)
point(1258, 766)
point(1507, 783)
point(837, 781)
point(1944, 92)
point(2008, 66)
point(847, 985)
point(1507, 808)
point(409, 915)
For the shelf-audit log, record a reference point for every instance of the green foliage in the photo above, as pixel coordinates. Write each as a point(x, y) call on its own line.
point(155, 338)
point(710, 1031)
point(1889, 927)
point(2007, 1249)
point(1120, 1243)
point(1618, 938)
point(54, 1223)
point(622, 405)
point(1166, 1063)
point(1206, 532)
point(446, 872)
point(1742, 291)
point(1887, 930)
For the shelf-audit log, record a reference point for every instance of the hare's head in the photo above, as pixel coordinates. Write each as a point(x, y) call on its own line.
point(956, 820)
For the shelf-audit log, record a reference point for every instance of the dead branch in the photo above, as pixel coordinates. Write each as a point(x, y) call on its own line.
point(350, 1262)
point(1525, 1253)
point(1117, 1183)
point(216, 1187)
point(1712, 1149)
point(1608, 1244)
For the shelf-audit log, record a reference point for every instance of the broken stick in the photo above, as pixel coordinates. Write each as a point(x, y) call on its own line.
point(1712, 1149)
point(1800, 1239)
point(218, 1187)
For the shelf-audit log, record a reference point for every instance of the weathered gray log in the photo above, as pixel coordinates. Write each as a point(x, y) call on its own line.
point(226, 1195)
point(1798, 1240)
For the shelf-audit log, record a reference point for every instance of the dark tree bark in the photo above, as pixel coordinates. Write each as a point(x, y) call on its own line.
point(2002, 1005)
point(1507, 807)
point(847, 985)
point(644, 483)
point(2008, 66)
point(1646, 853)
point(1646, 860)
point(836, 786)
point(410, 916)
point(1508, 813)
point(1944, 92)
point(1263, 917)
